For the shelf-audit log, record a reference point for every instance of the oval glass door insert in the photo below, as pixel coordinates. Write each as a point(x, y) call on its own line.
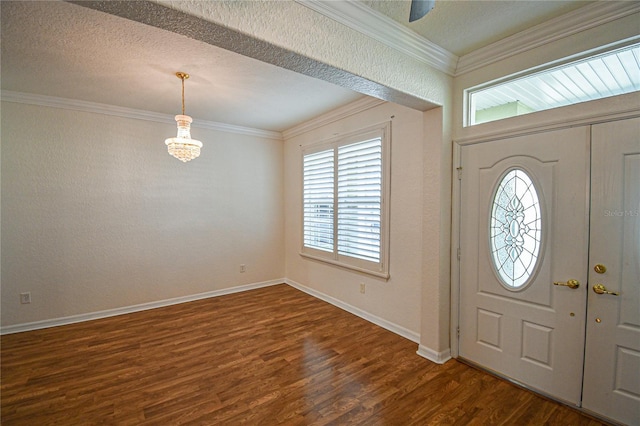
point(515, 229)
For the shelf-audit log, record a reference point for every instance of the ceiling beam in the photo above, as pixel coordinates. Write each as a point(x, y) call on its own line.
point(224, 36)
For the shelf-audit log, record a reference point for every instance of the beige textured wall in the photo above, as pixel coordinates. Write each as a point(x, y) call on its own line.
point(96, 215)
point(398, 299)
point(436, 219)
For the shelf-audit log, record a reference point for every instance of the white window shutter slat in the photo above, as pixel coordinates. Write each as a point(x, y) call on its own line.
point(318, 200)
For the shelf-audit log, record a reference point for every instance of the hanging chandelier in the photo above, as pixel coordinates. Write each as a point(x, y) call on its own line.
point(183, 147)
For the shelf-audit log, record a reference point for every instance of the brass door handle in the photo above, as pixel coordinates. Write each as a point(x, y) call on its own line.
point(600, 289)
point(571, 284)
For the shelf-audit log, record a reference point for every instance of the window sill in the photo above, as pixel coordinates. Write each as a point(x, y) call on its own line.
point(383, 275)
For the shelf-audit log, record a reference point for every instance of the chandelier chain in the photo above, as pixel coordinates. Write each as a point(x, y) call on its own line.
point(182, 78)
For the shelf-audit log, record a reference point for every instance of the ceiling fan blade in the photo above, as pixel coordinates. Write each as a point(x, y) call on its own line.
point(419, 8)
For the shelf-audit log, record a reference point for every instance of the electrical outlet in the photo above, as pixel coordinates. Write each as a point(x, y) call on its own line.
point(243, 268)
point(362, 288)
point(25, 297)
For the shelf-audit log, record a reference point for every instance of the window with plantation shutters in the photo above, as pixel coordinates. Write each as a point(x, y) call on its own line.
point(345, 193)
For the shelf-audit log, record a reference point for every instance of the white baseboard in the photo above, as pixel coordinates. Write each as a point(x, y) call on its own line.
point(388, 325)
point(434, 356)
point(18, 328)
point(394, 328)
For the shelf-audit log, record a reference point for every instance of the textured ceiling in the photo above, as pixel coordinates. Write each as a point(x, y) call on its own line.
point(65, 50)
point(462, 26)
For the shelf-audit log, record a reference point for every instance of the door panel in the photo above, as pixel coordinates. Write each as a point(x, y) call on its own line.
point(532, 334)
point(612, 364)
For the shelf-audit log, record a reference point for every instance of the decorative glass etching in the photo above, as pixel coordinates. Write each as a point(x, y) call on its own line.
point(516, 228)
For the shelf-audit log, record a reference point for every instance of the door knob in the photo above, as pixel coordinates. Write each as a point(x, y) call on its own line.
point(600, 289)
point(571, 284)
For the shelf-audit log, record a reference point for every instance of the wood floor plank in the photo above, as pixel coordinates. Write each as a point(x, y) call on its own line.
point(271, 356)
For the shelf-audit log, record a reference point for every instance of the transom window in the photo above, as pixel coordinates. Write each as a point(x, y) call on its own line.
point(615, 72)
point(515, 229)
point(345, 193)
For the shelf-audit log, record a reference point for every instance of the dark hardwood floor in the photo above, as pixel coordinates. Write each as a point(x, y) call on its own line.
point(264, 357)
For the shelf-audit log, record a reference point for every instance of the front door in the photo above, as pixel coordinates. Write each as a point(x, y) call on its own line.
point(612, 366)
point(523, 258)
point(520, 314)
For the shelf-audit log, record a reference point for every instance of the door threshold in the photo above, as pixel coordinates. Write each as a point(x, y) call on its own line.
point(590, 414)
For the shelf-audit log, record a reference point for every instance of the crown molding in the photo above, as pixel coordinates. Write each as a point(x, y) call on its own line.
point(137, 114)
point(380, 27)
point(332, 116)
point(563, 26)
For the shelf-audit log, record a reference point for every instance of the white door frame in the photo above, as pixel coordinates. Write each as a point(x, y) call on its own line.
point(583, 114)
